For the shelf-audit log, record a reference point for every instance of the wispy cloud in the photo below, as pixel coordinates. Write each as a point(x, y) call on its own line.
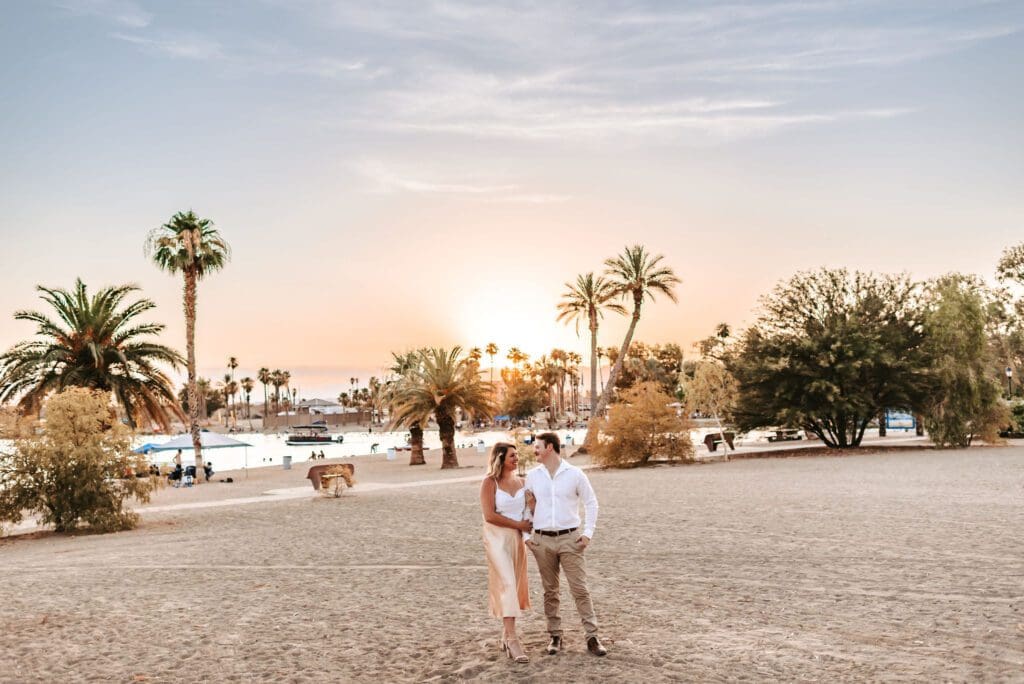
point(123, 12)
point(385, 178)
point(185, 47)
point(553, 71)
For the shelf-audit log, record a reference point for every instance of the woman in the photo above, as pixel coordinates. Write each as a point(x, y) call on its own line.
point(503, 502)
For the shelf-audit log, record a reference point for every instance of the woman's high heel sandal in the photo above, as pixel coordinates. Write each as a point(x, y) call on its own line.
point(520, 657)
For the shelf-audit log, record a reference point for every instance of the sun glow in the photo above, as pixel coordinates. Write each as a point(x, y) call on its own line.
point(525, 320)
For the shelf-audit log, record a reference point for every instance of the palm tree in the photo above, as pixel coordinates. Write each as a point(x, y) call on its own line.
point(587, 300)
point(635, 274)
point(225, 388)
point(475, 354)
point(403, 366)
point(559, 358)
point(263, 375)
point(491, 350)
point(516, 357)
point(441, 384)
point(191, 246)
point(95, 343)
point(232, 365)
point(286, 378)
point(247, 386)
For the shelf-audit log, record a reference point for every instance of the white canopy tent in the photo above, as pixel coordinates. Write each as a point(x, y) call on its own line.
point(207, 440)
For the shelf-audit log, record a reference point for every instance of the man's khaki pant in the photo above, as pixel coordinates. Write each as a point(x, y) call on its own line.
point(554, 554)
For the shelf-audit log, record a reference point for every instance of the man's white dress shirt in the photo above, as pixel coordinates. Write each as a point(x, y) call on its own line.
point(558, 498)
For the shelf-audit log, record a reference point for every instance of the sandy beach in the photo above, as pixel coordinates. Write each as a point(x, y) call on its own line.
point(896, 566)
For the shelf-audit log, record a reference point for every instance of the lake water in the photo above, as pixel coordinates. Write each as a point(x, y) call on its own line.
point(270, 449)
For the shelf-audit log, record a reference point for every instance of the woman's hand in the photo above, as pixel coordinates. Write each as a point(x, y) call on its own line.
point(526, 525)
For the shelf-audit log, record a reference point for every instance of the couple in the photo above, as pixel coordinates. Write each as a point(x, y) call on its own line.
point(544, 509)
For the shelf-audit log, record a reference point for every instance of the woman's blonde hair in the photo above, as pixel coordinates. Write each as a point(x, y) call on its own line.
point(497, 461)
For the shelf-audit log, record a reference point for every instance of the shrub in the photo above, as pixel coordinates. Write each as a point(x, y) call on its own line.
point(642, 428)
point(963, 402)
point(77, 470)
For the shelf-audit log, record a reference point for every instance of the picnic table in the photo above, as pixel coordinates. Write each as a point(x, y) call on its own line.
point(712, 440)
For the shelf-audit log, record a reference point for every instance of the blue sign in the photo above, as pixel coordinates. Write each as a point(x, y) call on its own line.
point(899, 420)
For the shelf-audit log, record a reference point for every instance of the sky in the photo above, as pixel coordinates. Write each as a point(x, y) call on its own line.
point(399, 174)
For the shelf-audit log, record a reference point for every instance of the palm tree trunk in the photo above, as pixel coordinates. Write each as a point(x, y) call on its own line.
point(190, 347)
point(416, 444)
point(446, 428)
point(613, 375)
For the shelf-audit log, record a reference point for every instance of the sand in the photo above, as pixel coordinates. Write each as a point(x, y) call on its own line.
point(894, 566)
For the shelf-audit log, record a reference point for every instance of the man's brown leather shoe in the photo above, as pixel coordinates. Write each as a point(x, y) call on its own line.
point(595, 647)
point(554, 646)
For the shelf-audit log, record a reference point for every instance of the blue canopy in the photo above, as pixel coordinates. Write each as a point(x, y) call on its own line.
point(207, 440)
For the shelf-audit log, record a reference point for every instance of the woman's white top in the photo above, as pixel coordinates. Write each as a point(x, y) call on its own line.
point(512, 507)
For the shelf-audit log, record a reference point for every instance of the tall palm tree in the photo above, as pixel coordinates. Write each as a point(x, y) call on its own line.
point(232, 365)
point(263, 375)
point(402, 366)
point(635, 275)
point(516, 357)
point(559, 358)
point(491, 350)
point(247, 386)
point(277, 380)
point(94, 342)
point(586, 300)
point(442, 383)
point(225, 388)
point(192, 247)
point(475, 354)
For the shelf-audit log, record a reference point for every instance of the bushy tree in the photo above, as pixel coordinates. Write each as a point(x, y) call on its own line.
point(828, 351)
point(643, 427)
point(712, 390)
point(523, 396)
point(660, 363)
point(963, 399)
point(77, 471)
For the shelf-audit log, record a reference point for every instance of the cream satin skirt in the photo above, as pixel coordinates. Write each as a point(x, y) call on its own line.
point(506, 571)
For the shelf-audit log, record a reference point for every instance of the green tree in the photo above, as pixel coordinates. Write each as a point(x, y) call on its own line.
point(192, 247)
point(95, 342)
point(78, 469)
point(642, 427)
point(638, 276)
point(963, 399)
point(442, 383)
point(828, 350)
point(586, 300)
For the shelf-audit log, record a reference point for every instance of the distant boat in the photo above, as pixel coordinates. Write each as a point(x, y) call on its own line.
point(310, 434)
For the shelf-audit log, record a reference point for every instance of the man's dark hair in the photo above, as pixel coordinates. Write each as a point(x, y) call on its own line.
point(551, 438)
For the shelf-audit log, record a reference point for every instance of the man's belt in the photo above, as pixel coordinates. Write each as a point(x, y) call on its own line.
point(558, 533)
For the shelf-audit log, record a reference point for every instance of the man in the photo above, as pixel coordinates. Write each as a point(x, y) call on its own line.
point(558, 487)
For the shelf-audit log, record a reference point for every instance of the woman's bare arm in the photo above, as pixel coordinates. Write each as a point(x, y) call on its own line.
point(488, 488)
